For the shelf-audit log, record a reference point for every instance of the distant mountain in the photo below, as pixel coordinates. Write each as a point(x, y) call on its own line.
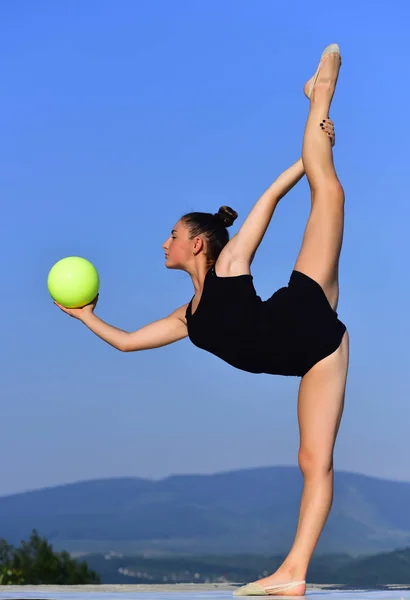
point(252, 511)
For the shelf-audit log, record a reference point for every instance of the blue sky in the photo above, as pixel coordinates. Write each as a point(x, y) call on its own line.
point(119, 117)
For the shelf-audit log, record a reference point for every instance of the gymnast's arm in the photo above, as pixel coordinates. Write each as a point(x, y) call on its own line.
point(159, 333)
point(241, 248)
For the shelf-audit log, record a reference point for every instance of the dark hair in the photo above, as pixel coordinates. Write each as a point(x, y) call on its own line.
point(212, 227)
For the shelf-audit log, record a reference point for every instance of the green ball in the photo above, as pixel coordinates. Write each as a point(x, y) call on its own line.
point(73, 282)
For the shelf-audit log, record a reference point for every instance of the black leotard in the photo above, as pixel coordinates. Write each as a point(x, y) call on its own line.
point(284, 335)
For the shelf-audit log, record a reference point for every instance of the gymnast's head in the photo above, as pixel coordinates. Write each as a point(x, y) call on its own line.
point(198, 236)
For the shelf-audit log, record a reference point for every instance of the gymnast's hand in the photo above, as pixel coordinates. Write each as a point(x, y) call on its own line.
point(329, 128)
point(79, 313)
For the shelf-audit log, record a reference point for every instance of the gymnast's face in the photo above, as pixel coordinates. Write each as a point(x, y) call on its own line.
point(179, 247)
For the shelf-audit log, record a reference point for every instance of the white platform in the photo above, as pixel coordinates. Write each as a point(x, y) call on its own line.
point(175, 593)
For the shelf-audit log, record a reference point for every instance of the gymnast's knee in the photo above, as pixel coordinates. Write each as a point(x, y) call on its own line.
point(329, 189)
point(314, 464)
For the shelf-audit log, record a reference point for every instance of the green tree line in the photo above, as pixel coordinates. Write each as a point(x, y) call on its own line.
point(34, 562)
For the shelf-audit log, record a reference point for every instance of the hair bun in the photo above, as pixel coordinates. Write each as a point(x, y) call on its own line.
point(227, 215)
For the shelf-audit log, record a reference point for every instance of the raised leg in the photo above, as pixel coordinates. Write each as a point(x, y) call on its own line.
point(322, 241)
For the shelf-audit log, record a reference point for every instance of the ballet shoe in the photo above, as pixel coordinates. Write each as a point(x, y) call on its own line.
point(254, 589)
point(331, 49)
